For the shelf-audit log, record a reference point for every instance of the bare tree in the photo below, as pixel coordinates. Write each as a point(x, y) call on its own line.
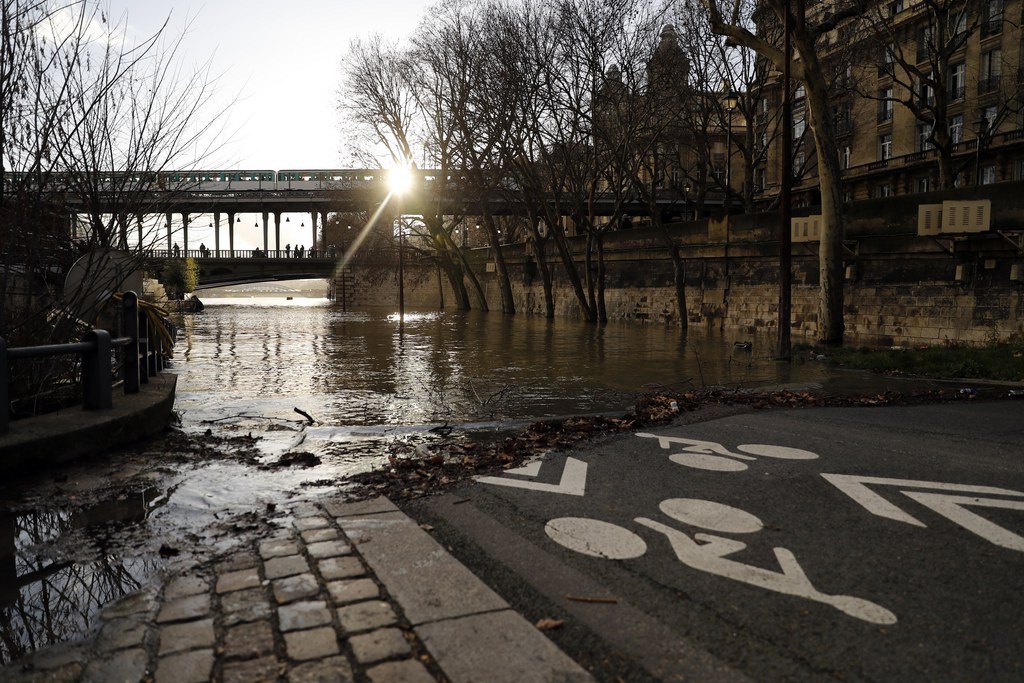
point(464, 48)
point(85, 119)
point(399, 103)
point(734, 20)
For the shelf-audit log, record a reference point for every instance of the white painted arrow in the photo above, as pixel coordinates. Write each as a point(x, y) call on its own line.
point(949, 505)
point(572, 483)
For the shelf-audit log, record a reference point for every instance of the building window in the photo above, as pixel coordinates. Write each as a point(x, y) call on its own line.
point(883, 191)
point(846, 156)
point(988, 175)
point(885, 105)
point(925, 38)
point(957, 79)
point(991, 69)
point(886, 67)
point(759, 179)
point(885, 147)
point(895, 8)
point(989, 114)
point(992, 18)
point(924, 90)
point(924, 184)
point(956, 129)
point(924, 135)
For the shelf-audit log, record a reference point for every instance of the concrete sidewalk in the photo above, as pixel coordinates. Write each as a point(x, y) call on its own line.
point(353, 591)
point(67, 435)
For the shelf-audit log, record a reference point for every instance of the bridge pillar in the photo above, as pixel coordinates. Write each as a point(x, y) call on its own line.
point(231, 233)
point(266, 243)
point(138, 222)
point(169, 216)
point(122, 228)
point(184, 237)
point(316, 216)
point(216, 232)
point(277, 230)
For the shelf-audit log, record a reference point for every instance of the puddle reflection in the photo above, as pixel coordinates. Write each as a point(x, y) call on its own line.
point(58, 569)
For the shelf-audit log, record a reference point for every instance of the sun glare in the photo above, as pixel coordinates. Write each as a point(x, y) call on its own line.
point(400, 179)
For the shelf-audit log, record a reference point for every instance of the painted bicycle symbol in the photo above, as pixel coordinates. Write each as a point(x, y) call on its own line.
point(713, 456)
point(707, 552)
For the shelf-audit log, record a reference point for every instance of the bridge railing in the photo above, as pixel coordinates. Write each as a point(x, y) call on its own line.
point(142, 358)
point(201, 254)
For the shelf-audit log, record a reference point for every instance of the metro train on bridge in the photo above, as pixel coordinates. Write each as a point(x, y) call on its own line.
point(296, 179)
point(227, 181)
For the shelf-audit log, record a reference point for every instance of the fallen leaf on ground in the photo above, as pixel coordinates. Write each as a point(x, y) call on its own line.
point(549, 624)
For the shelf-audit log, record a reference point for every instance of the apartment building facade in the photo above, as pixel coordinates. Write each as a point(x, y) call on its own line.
point(925, 97)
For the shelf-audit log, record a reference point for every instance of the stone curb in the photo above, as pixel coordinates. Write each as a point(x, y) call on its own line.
point(352, 591)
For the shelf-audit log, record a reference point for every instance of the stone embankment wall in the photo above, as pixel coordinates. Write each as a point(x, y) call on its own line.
point(900, 289)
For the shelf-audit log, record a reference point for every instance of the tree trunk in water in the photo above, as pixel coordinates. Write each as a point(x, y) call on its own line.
point(588, 263)
point(830, 250)
point(455, 274)
point(679, 277)
point(508, 305)
point(571, 271)
point(549, 297)
point(602, 310)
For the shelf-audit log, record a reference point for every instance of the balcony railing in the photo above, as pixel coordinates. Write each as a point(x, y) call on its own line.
point(987, 85)
point(991, 27)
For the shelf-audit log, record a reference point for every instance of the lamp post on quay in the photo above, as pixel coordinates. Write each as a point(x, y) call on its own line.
point(980, 130)
point(400, 181)
point(783, 348)
point(731, 101)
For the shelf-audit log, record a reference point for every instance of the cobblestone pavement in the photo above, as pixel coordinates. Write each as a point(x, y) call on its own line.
point(352, 592)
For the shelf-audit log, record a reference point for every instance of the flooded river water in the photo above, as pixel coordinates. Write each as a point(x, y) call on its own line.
point(72, 541)
point(363, 370)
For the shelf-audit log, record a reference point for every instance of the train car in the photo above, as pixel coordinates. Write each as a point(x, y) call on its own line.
point(213, 181)
point(327, 179)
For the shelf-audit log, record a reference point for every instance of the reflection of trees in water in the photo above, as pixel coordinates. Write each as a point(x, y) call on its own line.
point(44, 600)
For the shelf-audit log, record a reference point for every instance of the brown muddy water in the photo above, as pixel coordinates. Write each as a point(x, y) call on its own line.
point(73, 540)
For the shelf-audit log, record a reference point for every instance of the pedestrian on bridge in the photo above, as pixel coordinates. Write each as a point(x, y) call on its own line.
point(288, 250)
point(177, 250)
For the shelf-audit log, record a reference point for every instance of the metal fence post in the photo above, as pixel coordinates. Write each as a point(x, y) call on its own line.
point(96, 381)
point(154, 349)
point(130, 318)
point(5, 395)
point(144, 347)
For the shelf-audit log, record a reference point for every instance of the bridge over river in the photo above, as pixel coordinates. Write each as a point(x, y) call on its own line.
point(218, 268)
point(273, 194)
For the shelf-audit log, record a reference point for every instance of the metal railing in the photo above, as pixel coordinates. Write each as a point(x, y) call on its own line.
point(200, 254)
point(143, 358)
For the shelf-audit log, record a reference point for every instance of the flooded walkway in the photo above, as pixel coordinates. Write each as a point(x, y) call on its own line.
point(74, 540)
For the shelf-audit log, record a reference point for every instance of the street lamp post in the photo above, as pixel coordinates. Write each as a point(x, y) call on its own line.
point(980, 129)
point(401, 270)
point(783, 347)
point(731, 101)
point(400, 180)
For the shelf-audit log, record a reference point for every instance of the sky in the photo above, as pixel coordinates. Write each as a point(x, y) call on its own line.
point(281, 61)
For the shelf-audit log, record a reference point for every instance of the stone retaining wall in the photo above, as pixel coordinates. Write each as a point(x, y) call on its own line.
point(900, 289)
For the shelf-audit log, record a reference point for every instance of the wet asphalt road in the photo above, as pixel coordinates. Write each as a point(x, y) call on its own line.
point(812, 544)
